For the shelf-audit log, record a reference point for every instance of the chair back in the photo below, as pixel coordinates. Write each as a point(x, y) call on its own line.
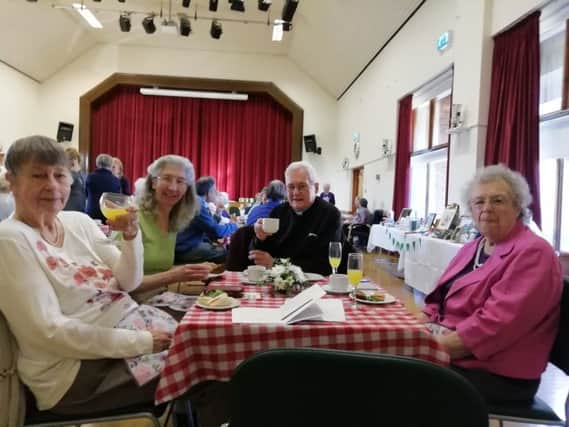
point(304, 387)
point(238, 253)
point(234, 210)
point(378, 215)
point(560, 352)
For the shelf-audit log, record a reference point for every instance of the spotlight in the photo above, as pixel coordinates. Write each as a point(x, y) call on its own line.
point(264, 5)
point(216, 31)
point(185, 27)
point(287, 26)
point(288, 10)
point(213, 5)
point(186, 3)
point(148, 24)
point(124, 22)
point(237, 5)
point(122, 1)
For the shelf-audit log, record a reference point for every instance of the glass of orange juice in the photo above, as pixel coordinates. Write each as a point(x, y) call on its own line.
point(114, 205)
point(355, 273)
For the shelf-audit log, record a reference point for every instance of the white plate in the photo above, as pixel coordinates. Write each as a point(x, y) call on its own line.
point(387, 300)
point(214, 275)
point(328, 289)
point(313, 277)
point(234, 304)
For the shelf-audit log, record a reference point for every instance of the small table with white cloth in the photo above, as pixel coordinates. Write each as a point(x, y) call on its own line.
point(427, 261)
point(392, 239)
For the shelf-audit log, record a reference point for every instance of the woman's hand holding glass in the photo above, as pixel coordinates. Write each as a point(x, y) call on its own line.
point(355, 273)
point(121, 213)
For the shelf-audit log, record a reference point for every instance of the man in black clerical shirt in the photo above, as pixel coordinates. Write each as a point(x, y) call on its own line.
point(307, 225)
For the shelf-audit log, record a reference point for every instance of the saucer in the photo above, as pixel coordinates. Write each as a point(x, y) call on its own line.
point(328, 289)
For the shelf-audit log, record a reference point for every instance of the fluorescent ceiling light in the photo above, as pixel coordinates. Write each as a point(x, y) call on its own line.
point(194, 94)
point(277, 32)
point(87, 15)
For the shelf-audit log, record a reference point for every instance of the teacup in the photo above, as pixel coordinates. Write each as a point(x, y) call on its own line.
point(256, 273)
point(338, 282)
point(270, 225)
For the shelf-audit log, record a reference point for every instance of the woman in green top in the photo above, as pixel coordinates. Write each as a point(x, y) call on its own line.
point(167, 203)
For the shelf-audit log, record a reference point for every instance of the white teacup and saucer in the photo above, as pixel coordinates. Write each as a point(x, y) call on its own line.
point(337, 284)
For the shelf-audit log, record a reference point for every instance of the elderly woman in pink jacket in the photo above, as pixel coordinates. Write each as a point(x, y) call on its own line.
point(497, 304)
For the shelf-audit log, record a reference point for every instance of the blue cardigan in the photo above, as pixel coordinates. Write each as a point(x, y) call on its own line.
point(201, 226)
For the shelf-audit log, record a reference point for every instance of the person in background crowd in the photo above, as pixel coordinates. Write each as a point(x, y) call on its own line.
point(221, 215)
point(259, 200)
point(168, 203)
point(496, 307)
point(327, 195)
point(193, 244)
point(77, 199)
point(2, 168)
point(118, 171)
point(363, 214)
point(307, 225)
point(99, 181)
point(6, 198)
point(275, 193)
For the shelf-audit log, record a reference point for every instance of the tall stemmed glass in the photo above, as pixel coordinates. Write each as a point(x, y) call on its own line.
point(335, 255)
point(114, 205)
point(355, 273)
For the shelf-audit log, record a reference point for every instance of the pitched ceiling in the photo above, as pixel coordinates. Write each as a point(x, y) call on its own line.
point(331, 40)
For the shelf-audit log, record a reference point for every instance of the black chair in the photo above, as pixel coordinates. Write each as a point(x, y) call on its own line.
point(539, 412)
point(238, 252)
point(305, 387)
point(234, 210)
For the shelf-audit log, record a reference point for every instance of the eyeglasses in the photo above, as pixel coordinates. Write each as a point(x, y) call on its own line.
point(494, 202)
point(169, 179)
point(301, 188)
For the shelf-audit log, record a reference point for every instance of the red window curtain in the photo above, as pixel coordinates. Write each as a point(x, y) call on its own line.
point(513, 119)
point(243, 145)
point(403, 155)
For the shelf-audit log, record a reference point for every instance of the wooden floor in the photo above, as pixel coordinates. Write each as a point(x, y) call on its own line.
point(554, 386)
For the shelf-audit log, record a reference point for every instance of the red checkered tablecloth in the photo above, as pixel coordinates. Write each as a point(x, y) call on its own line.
point(208, 346)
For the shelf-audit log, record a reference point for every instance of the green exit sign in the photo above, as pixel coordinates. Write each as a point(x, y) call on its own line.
point(443, 41)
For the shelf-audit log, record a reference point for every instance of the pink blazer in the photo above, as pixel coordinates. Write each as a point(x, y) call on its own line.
point(507, 311)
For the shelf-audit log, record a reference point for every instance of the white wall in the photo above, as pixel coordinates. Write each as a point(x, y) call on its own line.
point(18, 106)
point(409, 61)
point(60, 94)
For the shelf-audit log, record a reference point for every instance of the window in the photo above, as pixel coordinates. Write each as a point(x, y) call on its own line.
point(554, 129)
point(431, 118)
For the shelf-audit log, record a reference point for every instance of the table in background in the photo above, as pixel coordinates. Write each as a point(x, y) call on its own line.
point(392, 239)
point(427, 261)
point(208, 346)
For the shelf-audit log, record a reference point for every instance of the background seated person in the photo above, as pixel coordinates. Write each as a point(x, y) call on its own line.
point(327, 195)
point(167, 201)
point(498, 300)
point(275, 193)
point(307, 226)
point(220, 214)
point(193, 244)
point(65, 289)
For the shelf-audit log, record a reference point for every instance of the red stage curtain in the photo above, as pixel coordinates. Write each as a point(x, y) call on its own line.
point(403, 155)
point(513, 119)
point(243, 145)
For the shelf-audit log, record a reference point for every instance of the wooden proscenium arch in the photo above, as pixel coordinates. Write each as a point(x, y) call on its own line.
point(168, 82)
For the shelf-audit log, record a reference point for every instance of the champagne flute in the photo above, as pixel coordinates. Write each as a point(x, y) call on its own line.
point(334, 255)
point(355, 273)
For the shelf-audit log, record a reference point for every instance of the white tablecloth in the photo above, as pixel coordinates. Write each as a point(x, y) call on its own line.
point(425, 263)
point(392, 239)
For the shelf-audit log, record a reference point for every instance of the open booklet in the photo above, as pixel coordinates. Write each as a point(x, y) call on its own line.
point(307, 305)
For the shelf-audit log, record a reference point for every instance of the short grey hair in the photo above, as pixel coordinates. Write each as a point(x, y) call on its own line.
point(104, 161)
point(34, 148)
point(307, 167)
point(276, 190)
point(185, 210)
point(519, 187)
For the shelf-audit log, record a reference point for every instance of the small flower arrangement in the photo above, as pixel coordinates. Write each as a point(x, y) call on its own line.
point(287, 278)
